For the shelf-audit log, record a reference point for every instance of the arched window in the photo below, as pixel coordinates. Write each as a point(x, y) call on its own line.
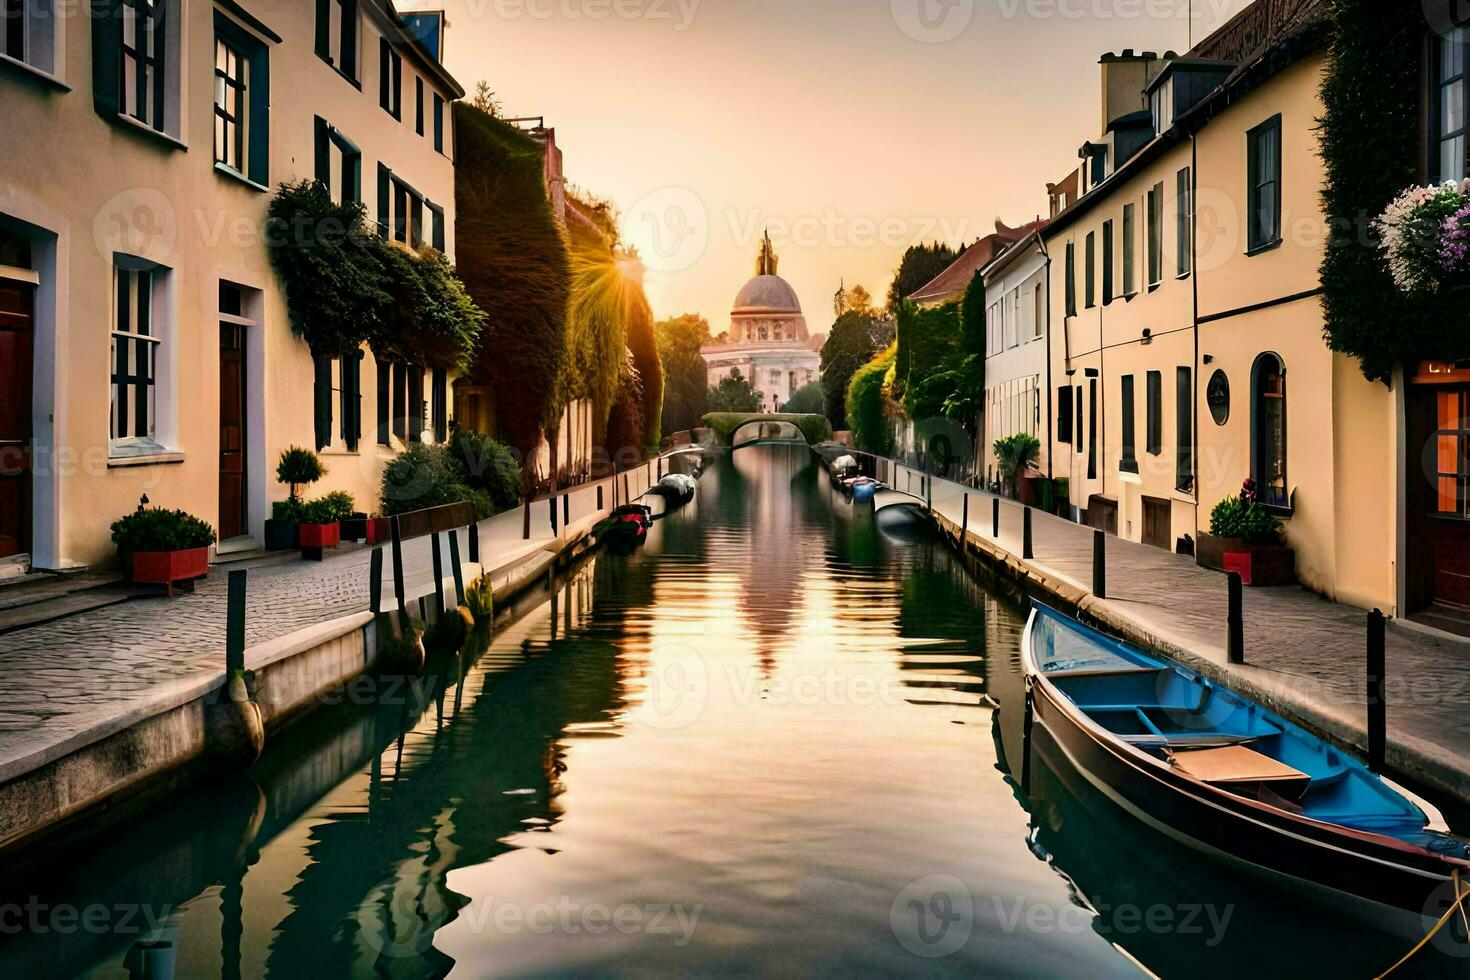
point(1268, 430)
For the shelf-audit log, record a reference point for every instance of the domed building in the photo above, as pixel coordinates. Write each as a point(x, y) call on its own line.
point(768, 340)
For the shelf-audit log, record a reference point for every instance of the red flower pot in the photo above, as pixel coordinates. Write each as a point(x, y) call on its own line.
point(378, 529)
point(321, 535)
point(167, 567)
point(1263, 565)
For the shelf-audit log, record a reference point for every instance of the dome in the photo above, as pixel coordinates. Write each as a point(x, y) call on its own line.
point(767, 294)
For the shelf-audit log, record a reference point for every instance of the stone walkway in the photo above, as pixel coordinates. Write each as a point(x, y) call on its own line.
point(63, 678)
point(1305, 656)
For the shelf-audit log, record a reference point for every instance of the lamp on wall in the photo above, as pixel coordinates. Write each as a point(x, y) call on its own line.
point(1148, 336)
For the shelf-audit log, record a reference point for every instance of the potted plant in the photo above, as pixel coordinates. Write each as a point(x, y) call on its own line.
point(1015, 456)
point(1246, 538)
point(321, 526)
point(159, 546)
point(296, 468)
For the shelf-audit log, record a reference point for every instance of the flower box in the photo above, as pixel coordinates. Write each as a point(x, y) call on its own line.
point(317, 537)
point(167, 567)
point(1263, 565)
point(281, 535)
point(1210, 549)
point(371, 530)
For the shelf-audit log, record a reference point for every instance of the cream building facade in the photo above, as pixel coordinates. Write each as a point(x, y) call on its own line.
point(1017, 365)
point(768, 340)
point(152, 333)
point(1188, 353)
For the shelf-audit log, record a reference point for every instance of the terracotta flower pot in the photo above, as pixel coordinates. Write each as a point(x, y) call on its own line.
point(167, 567)
point(317, 537)
point(1209, 550)
point(1263, 565)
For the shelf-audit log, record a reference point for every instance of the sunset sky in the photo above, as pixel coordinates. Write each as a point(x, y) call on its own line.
point(850, 128)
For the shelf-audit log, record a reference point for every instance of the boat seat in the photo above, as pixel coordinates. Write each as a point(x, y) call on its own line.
point(1239, 767)
point(1189, 741)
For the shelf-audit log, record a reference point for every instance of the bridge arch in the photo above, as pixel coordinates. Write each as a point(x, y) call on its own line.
point(732, 427)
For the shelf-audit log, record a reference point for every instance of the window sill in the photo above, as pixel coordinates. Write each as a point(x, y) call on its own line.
point(129, 123)
point(1183, 496)
point(1276, 510)
point(31, 71)
point(1129, 476)
point(1155, 285)
point(145, 458)
point(1263, 247)
point(225, 170)
point(338, 451)
point(1182, 276)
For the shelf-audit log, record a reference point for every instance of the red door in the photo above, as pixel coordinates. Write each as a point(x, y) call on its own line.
point(232, 521)
point(17, 339)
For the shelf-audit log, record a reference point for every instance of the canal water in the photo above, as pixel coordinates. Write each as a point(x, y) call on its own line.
point(778, 738)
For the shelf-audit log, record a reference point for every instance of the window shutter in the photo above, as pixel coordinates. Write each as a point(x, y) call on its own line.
point(400, 401)
point(351, 421)
point(1183, 430)
point(106, 56)
point(415, 403)
point(1155, 396)
point(323, 24)
point(438, 232)
point(258, 164)
point(1130, 455)
point(418, 104)
point(383, 69)
point(438, 123)
point(397, 90)
point(441, 405)
point(323, 153)
point(322, 399)
point(383, 192)
point(1064, 414)
point(385, 411)
point(349, 38)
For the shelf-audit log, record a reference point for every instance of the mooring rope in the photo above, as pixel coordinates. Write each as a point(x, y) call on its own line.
point(1457, 905)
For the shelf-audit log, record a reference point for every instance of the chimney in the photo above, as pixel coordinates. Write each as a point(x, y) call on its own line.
point(1124, 77)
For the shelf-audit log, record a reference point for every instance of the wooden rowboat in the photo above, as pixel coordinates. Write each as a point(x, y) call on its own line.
point(1222, 774)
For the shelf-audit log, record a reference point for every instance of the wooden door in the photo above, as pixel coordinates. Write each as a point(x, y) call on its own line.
point(1450, 529)
point(17, 344)
point(1156, 523)
point(232, 515)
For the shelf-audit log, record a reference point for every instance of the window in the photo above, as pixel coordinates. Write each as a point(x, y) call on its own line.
point(390, 79)
point(1184, 430)
point(385, 403)
point(1077, 411)
point(438, 123)
point(1129, 462)
point(1264, 190)
point(1012, 327)
point(28, 33)
point(1107, 262)
point(436, 224)
point(336, 35)
point(229, 106)
point(1268, 430)
point(1088, 295)
point(1154, 418)
point(400, 209)
point(1070, 286)
point(1128, 239)
point(417, 410)
point(400, 401)
point(1064, 414)
point(338, 163)
point(1452, 451)
point(142, 61)
point(1182, 236)
point(418, 103)
point(1447, 154)
point(136, 342)
point(322, 391)
point(1156, 234)
point(1038, 311)
point(1092, 429)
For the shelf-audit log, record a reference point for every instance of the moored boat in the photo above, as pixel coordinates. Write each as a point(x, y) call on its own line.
point(626, 525)
point(1222, 774)
point(676, 489)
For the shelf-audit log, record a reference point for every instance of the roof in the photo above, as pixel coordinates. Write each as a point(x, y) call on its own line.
point(402, 36)
point(1016, 249)
point(955, 279)
point(1263, 39)
point(767, 294)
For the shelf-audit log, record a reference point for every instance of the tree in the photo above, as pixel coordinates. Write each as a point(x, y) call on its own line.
point(1015, 454)
point(734, 393)
point(484, 99)
point(972, 316)
point(854, 339)
point(920, 264)
point(686, 376)
point(805, 400)
point(871, 431)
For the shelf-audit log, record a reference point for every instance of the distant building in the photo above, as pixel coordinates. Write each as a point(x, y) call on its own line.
point(768, 340)
point(950, 285)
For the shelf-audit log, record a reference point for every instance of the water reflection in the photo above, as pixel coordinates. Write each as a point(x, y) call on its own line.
point(764, 742)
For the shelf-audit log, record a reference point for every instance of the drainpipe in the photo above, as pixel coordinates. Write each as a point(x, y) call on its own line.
point(1194, 275)
point(1046, 278)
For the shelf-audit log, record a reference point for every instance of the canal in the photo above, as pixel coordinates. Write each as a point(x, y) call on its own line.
point(778, 738)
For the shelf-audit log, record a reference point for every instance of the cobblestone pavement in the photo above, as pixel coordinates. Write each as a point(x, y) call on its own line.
point(1303, 649)
point(62, 678)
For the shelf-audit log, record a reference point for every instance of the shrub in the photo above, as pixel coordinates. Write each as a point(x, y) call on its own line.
point(159, 529)
point(287, 510)
point(428, 476)
point(1235, 518)
point(297, 467)
point(335, 506)
point(489, 466)
point(1014, 455)
point(870, 430)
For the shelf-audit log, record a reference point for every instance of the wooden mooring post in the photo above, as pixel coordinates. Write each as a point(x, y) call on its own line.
point(375, 582)
point(475, 543)
point(1099, 564)
point(964, 522)
point(235, 623)
point(1026, 550)
point(438, 575)
point(1377, 691)
point(397, 538)
point(995, 518)
point(1235, 620)
point(455, 569)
